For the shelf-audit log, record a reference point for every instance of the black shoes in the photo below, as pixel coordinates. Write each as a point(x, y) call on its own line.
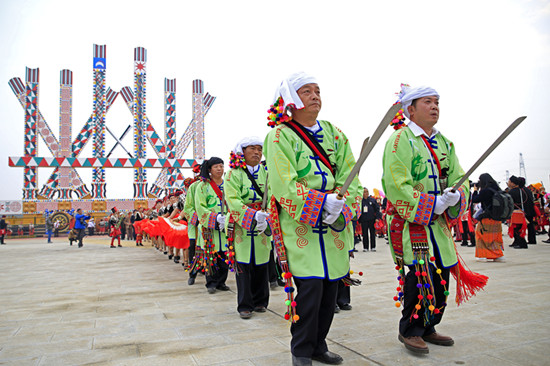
point(330, 358)
point(211, 290)
point(170, 256)
point(177, 259)
point(336, 309)
point(191, 281)
point(345, 307)
point(245, 314)
point(223, 287)
point(301, 361)
point(260, 309)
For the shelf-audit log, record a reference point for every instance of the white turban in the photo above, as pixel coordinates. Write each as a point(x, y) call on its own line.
point(247, 141)
point(409, 94)
point(289, 86)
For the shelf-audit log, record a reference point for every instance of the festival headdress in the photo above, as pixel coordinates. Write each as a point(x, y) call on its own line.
point(187, 182)
point(286, 96)
point(236, 158)
point(406, 96)
point(114, 210)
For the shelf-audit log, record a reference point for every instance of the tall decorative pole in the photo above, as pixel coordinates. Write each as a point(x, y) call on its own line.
point(65, 135)
point(98, 119)
point(170, 129)
point(198, 118)
point(140, 73)
point(31, 143)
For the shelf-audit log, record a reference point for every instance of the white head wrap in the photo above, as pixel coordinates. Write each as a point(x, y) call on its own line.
point(408, 94)
point(247, 141)
point(289, 86)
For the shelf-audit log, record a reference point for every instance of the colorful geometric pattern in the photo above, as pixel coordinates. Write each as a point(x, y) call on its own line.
point(198, 120)
point(52, 162)
point(212, 220)
point(348, 214)
point(98, 119)
point(31, 124)
point(463, 204)
point(65, 136)
point(248, 217)
point(312, 208)
point(424, 209)
point(170, 130)
point(189, 133)
point(182, 146)
point(195, 219)
point(140, 77)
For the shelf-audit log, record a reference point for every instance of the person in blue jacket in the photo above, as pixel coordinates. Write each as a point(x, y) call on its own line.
point(80, 225)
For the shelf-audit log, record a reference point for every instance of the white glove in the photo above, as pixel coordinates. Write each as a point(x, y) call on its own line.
point(332, 208)
point(446, 200)
point(452, 197)
point(221, 221)
point(261, 216)
point(261, 226)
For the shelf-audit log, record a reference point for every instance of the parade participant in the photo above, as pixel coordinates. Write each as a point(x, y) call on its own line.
point(244, 190)
point(208, 203)
point(138, 229)
point(56, 225)
point(3, 229)
point(115, 220)
point(193, 231)
point(308, 161)
point(177, 243)
point(419, 164)
point(80, 226)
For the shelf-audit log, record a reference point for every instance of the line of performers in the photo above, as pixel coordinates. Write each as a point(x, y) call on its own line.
point(296, 203)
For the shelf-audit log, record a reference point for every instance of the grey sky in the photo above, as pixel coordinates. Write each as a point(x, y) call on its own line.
point(489, 61)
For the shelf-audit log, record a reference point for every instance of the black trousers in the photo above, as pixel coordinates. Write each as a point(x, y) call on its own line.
point(531, 232)
point(466, 232)
point(410, 327)
point(315, 304)
point(252, 286)
point(273, 267)
point(80, 233)
point(192, 246)
point(366, 227)
point(344, 294)
point(518, 239)
point(219, 276)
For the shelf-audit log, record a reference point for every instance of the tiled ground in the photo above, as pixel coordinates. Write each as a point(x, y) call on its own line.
point(61, 305)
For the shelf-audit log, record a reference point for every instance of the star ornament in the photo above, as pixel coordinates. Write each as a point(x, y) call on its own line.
point(139, 66)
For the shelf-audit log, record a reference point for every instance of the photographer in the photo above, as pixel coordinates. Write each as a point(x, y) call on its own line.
point(80, 225)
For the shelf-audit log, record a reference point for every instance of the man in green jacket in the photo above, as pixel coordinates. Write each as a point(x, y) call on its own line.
point(420, 167)
point(245, 185)
point(304, 179)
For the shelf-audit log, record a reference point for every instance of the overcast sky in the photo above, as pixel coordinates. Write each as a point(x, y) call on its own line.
point(489, 61)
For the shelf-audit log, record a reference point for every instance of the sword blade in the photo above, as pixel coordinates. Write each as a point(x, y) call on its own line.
point(491, 148)
point(368, 145)
point(264, 198)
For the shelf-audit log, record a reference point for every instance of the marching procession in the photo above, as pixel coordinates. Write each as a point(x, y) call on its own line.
point(290, 204)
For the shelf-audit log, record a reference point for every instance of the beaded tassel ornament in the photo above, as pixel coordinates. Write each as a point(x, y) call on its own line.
point(236, 160)
point(399, 120)
point(290, 313)
point(277, 113)
point(230, 252)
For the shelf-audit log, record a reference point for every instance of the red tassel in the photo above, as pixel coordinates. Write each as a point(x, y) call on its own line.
point(467, 282)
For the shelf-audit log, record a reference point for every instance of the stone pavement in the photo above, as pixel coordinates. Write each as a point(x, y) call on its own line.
point(61, 305)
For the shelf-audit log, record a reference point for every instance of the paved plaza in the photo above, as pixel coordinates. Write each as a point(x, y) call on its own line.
point(64, 305)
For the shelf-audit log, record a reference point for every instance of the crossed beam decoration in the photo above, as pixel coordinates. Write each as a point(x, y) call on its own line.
point(65, 179)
